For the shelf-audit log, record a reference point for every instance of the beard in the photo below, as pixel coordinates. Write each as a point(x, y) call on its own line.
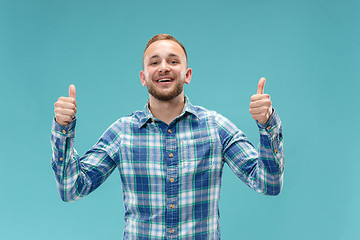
point(161, 96)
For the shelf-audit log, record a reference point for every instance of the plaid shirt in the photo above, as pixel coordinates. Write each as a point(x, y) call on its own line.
point(170, 174)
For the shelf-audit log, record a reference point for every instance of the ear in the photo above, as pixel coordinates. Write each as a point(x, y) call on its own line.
point(142, 78)
point(188, 76)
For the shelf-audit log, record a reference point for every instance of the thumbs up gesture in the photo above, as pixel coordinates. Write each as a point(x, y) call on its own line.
point(65, 107)
point(260, 105)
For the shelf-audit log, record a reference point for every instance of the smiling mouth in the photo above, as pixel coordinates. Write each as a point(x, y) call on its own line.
point(164, 80)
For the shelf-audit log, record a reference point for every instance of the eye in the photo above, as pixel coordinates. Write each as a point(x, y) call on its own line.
point(174, 62)
point(153, 63)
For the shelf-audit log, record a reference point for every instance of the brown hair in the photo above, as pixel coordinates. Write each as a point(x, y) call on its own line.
point(163, 36)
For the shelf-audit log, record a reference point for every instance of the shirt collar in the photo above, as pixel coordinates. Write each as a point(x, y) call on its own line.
point(148, 116)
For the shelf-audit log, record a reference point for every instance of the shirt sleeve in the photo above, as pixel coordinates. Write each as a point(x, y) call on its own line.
point(76, 176)
point(261, 169)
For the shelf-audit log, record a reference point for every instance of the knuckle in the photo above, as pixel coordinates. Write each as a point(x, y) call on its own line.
point(59, 119)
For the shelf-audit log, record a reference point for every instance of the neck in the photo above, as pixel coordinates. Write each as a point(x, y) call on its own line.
point(167, 111)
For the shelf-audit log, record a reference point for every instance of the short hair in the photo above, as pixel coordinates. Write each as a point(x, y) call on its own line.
point(163, 36)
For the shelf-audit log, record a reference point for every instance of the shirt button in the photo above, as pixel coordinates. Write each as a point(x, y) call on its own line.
point(275, 151)
point(172, 231)
point(171, 155)
point(172, 180)
point(64, 131)
point(172, 206)
point(169, 131)
point(268, 128)
point(61, 159)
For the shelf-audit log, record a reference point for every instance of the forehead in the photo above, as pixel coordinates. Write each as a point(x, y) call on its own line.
point(163, 48)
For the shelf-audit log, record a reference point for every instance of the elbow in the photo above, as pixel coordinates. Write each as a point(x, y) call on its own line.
point(276, 193)
point(273, 190)
point(63, 198)
point(274, 185)
point(66, 197)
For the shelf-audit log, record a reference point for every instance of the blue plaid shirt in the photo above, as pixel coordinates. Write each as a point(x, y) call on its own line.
point(170, 174)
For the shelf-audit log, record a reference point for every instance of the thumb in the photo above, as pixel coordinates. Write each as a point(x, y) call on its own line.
point(72, 91)
point(261, 85)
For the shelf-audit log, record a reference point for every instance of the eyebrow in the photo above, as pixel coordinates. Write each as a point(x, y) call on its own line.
point(170, 55)
point(173, 55)
point(154, 56)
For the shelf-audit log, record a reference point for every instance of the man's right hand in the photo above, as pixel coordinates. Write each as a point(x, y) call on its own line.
point(65, 107)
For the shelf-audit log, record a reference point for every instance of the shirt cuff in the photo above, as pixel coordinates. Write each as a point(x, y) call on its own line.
point(271, 136)
point(61, 131)
point(272, 125)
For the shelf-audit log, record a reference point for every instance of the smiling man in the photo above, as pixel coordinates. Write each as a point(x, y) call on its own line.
point(171, 154)
point(165, 72)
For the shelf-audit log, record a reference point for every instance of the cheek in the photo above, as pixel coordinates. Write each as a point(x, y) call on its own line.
point(147, 75)
point(183, 74)
point(144, 78)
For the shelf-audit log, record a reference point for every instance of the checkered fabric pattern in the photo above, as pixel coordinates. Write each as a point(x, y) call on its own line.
point(170, 174)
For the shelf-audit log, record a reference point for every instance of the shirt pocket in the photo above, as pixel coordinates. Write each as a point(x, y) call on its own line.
point(197, 155)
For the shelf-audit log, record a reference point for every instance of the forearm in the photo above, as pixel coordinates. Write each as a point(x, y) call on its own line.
point(64, 160)
point(262, 168)
point(271, 156)
point(77, 177)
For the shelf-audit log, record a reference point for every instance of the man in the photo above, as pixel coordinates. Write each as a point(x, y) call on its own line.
point(170, 155)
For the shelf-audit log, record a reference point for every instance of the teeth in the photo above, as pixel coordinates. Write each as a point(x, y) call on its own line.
point(164, 80)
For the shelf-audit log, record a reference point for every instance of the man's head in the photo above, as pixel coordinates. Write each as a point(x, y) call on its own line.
point(164, 36)
point(165, 68)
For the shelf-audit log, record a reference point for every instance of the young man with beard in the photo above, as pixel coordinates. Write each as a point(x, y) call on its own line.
point(170, 155)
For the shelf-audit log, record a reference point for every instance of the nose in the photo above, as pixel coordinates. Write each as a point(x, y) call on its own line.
point(163, 67)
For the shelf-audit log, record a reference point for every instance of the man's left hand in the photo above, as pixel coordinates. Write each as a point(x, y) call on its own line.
point(260, 105)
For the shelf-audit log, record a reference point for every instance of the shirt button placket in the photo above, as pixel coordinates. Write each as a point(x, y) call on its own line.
point(172, 188)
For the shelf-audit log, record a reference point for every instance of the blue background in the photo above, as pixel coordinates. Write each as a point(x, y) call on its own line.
point(307, 50)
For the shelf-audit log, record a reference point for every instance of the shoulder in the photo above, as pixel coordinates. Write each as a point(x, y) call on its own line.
point(134, 118)
point(123, 124)
point(224, 128)
point(211, 115)
point(214, 119)
point(203, 113)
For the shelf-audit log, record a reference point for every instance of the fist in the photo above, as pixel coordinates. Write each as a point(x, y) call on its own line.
point(65, 107)
point(260, 105)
